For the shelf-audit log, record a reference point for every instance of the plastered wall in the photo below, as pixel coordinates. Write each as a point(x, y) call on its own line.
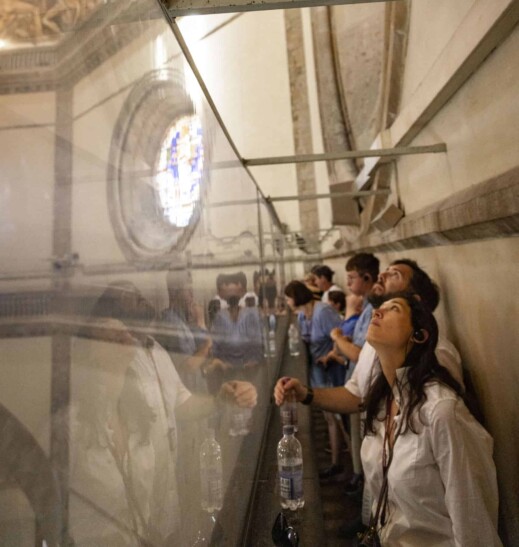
point(25, 385)
point(27, 180)
point(478, 127)
point(478, 313)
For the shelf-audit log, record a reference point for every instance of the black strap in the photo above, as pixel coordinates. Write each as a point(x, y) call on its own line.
point(380, 511)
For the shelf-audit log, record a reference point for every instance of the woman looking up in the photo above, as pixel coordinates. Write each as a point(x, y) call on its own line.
point(427, 461)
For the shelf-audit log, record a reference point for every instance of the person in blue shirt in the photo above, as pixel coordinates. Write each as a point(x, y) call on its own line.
point(362, 272)
point(316, 321)
point(352, 305)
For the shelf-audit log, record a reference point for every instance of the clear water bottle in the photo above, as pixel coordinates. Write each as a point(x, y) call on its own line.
point(272, 334)
point(272, 342)
point(290, 467)
point(211, 474)
point(272, 322)
point(293, 340)
point(240, 420)
point(288, 410)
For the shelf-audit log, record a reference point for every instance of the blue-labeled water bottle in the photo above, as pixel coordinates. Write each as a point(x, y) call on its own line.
point(290, 468)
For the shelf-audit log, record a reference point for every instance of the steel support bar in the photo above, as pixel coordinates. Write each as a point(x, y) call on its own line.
point(306, 197)
point(349, 154)
point(179, 8)
point(191, 62)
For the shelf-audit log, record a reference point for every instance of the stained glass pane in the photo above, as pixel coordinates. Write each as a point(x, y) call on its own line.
point(179, 171)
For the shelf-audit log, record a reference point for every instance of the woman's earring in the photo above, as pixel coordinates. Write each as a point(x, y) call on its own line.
point(420, 336)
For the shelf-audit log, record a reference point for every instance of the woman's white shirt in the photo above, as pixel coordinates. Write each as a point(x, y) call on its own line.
point(442, 480)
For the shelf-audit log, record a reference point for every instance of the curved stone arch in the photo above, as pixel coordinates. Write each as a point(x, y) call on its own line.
point(156, 101)
point(23, 461)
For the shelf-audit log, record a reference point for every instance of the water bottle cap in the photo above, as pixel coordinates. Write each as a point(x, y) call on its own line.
point(288, 430)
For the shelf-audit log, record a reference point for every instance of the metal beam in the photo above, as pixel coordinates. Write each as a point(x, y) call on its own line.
point(305, 197)
point(179, 8)
point(191, 62)
point(348, 154)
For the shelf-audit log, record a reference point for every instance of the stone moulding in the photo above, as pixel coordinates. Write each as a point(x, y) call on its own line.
point(486, 210)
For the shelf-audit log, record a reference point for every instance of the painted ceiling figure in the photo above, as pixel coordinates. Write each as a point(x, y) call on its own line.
point(39, 21)
point(68, 12)
point(19, 19)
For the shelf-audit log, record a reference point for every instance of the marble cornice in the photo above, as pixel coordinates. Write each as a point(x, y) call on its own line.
point(487, 210)
point(46, 68)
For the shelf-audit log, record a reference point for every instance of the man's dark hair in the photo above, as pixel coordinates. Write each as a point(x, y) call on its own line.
point(111, 304)
point(364, 263)
point(421, 284)
point(316, 267)
point(238, 278)
point(324, 271)
point(337, 297)
point(221, 280)
point(299, 293)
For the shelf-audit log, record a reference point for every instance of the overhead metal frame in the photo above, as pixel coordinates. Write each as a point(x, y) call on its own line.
point(304, 197)
point(387, 153)
point(179, 8)
point(191, 7)
point(189, 58)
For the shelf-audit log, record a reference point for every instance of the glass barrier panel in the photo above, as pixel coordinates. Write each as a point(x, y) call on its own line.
point(140, 271)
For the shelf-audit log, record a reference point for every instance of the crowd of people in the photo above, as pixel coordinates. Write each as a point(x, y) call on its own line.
point(420, 457)
point(139, 374)
point(390, 386)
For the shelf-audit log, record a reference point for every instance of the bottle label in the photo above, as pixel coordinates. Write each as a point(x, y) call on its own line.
point(289, 414)
point(215, 488)
point(291, 481)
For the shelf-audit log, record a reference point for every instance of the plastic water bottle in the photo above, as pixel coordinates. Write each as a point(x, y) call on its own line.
point(293, 340)
point(290, 467)
point(272, 334)
point(240, 421)
point(272, 342)
point(211, 474)
point(272, 322)
point(288, 410)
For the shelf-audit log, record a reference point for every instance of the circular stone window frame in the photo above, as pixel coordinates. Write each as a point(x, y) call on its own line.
point(155, 103)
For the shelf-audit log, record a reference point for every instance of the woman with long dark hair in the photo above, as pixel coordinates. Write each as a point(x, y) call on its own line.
point(427, 461)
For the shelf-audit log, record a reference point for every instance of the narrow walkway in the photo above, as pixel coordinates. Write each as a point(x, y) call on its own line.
point(338, 508)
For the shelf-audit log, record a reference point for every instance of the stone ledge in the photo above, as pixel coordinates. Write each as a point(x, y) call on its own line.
point(486, 210)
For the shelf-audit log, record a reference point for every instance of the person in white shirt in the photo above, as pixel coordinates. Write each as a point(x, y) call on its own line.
point(127, 398)
point(441, 487)
point(427, 461)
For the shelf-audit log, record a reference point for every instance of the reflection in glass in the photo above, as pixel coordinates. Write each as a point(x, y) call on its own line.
point(180, 170)
point(133, 312)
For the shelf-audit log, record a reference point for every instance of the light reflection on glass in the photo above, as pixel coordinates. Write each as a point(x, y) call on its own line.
point(180, 169)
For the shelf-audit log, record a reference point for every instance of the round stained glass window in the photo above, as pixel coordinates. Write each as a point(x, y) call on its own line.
point(157, 172)
point(179, 170)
